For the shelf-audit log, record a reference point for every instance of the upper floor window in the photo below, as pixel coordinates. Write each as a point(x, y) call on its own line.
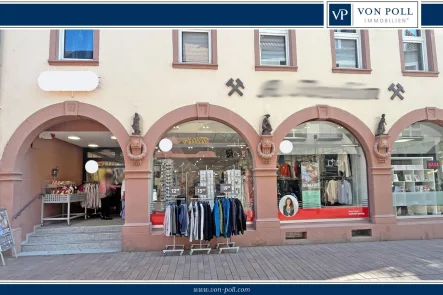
point(417, 52)
point(348, 49)
point(275, 50)
point(74, 47)
point(76, 44)
point(195, 49)
point(414, 49)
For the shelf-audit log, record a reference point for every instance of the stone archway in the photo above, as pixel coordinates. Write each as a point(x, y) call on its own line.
point(13, 156)
point(429, 114)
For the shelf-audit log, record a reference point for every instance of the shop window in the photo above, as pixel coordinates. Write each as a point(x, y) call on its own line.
point(207, 160)
point(417, 52)
point(195, 49)
point(74, 47)
point(417, 185)
point(275, 50)
point(350, 51)
point(321, 174)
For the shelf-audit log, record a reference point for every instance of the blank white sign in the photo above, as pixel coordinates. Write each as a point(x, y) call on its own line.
point(68, 81)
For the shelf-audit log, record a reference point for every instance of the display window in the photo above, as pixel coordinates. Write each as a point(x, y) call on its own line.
point(201, 160)
point(322, 174)
point(417, 173)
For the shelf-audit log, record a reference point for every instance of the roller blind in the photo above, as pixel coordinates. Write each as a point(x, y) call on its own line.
point(273, 50)
point(195, 47)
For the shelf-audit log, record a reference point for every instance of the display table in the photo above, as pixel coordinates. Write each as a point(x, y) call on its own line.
point(62, 199)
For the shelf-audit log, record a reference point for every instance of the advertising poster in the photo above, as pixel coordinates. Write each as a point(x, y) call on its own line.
point(310, 185)
point(6, 241)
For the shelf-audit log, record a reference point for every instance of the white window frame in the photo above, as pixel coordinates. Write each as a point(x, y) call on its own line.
point(284, 33)
point(180, 45)
point(338, 36)
point(419, 40)
point(61, 47)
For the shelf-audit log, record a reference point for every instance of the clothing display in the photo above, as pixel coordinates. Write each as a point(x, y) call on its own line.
point(202, 222)
point(176, 220)
point(167, 179)
point(93, 198)
point(331, 192)
point(285, 170)
point(344, 192)
point(343, 164)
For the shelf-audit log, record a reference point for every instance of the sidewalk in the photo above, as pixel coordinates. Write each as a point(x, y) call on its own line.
point(376, 261)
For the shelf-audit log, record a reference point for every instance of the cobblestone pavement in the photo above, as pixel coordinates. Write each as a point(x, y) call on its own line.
point(374, 261)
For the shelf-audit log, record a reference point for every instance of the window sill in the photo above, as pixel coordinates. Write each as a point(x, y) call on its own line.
point(180, 65)
point(351, 71)
point(420, 74)
point(276, 68)
point(73, 62)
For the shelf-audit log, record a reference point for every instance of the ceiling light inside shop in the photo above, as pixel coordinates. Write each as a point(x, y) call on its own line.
point(404, 140)
point(113, 137)
point(93, 145)
point(73, 137)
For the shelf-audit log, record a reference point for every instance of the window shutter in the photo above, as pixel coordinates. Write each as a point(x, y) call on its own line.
point(195, 46)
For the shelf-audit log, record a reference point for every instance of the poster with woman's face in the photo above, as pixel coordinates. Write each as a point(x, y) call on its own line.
point(4, 223)
point(288, 205)
point(310, 177)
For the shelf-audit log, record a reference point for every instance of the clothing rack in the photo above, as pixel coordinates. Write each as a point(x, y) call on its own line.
point(229, 244)
point(201, 247)
point(174, 247)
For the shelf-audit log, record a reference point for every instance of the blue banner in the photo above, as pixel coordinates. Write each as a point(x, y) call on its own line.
point(164, 15)
point(432, 14)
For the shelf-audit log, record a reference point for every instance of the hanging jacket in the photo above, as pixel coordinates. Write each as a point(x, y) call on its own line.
point(182, 218)
point(196, 221)
point(221, 220)
point(226, 217)
point(241, 217)
point(166, 221)
point(191, 223)
point(173, 223)
point(217, 219)
point(202, 218)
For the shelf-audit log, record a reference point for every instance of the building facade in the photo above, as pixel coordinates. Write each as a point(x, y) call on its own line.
point(325, 171)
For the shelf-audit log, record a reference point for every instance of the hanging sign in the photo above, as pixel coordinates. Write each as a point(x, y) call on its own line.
point(175, 191)
point(226, 188)
point(6, 238)
point(433, 164)
point(195, 140)
point(200, 190)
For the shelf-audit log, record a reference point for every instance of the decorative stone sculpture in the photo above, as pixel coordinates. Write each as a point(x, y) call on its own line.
point(381, 126)
point(266, 125)
point(382, 149)
point(136, 125)
point(266, 148)
point(136, 150)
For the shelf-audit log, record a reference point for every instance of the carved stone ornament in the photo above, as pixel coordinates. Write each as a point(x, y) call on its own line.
point(136, 150)
point(266, 148)
point(382, 149)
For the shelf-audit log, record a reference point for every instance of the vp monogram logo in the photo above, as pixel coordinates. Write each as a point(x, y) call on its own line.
point(341, 13)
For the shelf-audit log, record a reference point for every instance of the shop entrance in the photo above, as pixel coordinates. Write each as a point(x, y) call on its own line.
point(75, 213)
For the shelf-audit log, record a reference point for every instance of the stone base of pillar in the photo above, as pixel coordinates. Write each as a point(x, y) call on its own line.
point(135, 237)
point(267, 232)
point(384, 219)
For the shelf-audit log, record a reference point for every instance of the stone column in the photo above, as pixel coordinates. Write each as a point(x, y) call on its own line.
point(381, 199)
point(137, 228)
point(267, 223)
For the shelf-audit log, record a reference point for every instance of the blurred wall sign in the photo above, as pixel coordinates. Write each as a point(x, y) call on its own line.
point(200, 190)
point(175, 191)
point(312, 88)
point(68, 81)
point(225, 188)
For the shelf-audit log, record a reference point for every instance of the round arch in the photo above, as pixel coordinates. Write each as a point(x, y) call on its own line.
point(202, 111)
point(52, 115)
point(328, 113)
point(430, 114)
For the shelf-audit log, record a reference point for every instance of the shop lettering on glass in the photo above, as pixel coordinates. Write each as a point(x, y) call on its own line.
point(332, 163)
point(195, 140)
point(312, 88)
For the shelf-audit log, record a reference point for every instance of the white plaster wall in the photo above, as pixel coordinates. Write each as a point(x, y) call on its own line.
point(136, 74)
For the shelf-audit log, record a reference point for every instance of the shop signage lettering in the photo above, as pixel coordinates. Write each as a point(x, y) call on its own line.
point(433, 165)
point(332, 163)
point(195, 140)
point(312, 88)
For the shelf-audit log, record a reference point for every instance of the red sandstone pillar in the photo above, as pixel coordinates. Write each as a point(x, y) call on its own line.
point(380, 185)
